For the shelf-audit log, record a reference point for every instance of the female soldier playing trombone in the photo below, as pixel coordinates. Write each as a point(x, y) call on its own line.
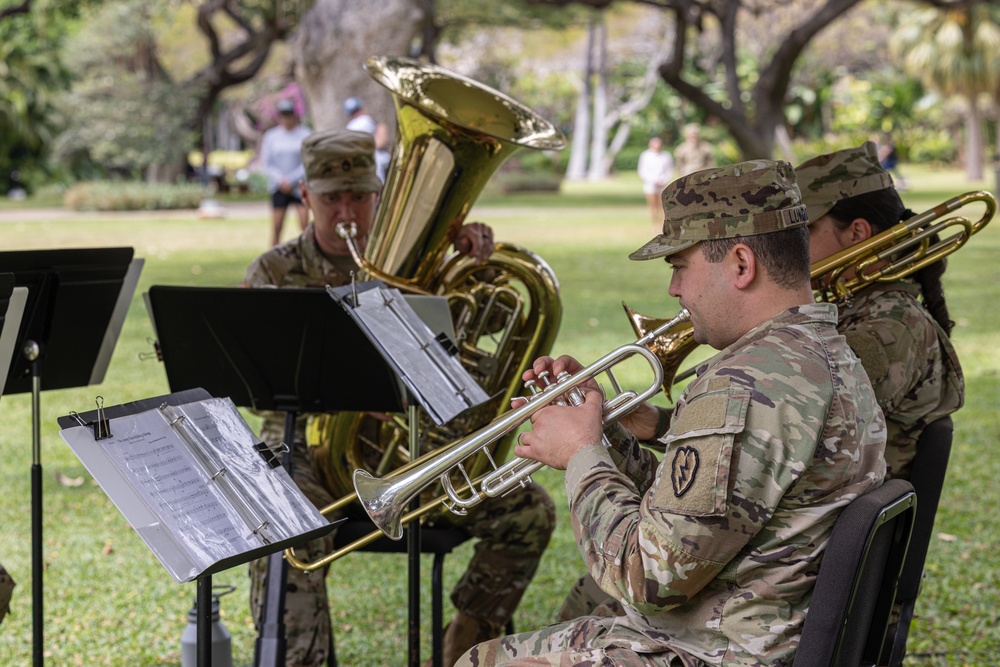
point(900, 329)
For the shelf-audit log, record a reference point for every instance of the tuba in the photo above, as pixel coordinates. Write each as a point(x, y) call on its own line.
point(890, 255)
point(452, 135)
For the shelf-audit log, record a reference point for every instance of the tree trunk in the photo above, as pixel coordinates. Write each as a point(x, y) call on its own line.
point(973, 142)
point(576, 169)
point(330, 46)
point(599, 139)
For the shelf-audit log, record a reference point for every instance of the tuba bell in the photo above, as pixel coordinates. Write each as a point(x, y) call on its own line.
point(452, 135)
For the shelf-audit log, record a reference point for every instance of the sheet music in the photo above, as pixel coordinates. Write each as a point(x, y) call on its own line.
point(439, 382)
point(191, 482)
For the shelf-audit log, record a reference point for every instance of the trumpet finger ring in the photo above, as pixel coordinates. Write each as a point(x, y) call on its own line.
point(519, 439)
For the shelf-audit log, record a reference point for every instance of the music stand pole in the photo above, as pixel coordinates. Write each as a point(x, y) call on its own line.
point(204, 628)
point(272, 644)
point(413, 551)
point(31, 353)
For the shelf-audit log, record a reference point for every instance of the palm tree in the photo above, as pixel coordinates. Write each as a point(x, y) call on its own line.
point(957, 53)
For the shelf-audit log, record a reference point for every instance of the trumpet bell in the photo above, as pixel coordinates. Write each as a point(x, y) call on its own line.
point(671, 346)
point(379, 502)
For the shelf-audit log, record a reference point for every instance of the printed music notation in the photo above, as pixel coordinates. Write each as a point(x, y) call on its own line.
point(195, 484)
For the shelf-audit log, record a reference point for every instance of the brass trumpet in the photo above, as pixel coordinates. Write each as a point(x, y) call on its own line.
point(385, 499)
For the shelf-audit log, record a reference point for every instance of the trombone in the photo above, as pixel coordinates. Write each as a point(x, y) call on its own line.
point(890, 255)
point(912, 235)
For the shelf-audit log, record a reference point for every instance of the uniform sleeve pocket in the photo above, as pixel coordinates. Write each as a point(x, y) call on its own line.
point(694, 477)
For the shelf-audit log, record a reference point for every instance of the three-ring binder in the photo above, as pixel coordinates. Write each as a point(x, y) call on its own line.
point(193, 480)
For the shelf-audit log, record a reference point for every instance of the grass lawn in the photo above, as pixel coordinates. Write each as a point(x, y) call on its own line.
point(109, 602)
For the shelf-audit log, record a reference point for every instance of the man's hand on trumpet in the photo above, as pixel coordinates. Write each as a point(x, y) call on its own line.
point(558, 432)
point(641, 422)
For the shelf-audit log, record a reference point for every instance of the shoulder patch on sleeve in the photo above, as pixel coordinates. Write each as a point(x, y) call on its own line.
point(871, 351)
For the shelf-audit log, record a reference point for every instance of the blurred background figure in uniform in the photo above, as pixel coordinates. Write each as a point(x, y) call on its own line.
point(281, 159)
point(693, 154)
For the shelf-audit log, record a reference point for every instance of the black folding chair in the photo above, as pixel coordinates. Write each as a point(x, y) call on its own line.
point(851, 604)
point(927, 477)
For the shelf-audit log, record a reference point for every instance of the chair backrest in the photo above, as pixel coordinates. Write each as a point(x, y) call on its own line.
point(927, 477)
point(856, 585)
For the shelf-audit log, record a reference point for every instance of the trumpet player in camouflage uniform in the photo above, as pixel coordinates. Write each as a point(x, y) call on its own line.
point(900, 330)
point(711, 556)
point(341, 185)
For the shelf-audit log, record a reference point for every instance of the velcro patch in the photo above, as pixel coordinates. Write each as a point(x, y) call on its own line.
point(872, 353)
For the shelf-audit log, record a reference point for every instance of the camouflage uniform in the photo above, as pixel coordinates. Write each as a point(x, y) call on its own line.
point(908, 356)
point(910, 361)
point(6, 591)
point(712, 555)
point(690, 158)
point(513, 530)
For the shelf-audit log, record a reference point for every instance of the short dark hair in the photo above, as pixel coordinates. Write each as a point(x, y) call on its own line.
point(784, 254)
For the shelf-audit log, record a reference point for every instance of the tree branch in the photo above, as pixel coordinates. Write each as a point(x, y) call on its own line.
point(22, 8)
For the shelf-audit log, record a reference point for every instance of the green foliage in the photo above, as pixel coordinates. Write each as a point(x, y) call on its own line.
point(457, 18)
point(125, 114)
point(30, 81)
point(529, 171)
point(930, 147)
point(132, 196)
point(955, 51)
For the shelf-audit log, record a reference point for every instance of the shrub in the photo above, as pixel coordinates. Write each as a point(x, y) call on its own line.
point(529, 171)
point(132, 196)
point(516, 181)
point(930, 148)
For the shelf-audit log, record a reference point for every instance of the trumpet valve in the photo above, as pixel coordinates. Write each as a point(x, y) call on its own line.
point(575, 395)
point(544, 377)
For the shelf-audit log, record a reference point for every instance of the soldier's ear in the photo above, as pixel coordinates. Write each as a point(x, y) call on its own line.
point(860, 230)
point(744, 264)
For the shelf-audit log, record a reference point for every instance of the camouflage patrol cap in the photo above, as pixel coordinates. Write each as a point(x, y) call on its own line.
point(743, 199)
point(826, 179)
point(340, 161)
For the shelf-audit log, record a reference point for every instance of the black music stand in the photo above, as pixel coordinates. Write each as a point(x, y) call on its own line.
point(75, 307)
point(374, 338)
point(309, 357)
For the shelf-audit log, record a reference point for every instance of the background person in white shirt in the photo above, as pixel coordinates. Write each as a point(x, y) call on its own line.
point(360, 120)
point(656, 169)
point(281, 158)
